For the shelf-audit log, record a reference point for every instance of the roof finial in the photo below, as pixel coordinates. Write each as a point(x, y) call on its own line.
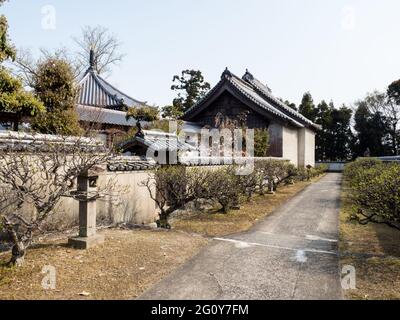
point(226, 73)
point(91, 59)
point(248, 76)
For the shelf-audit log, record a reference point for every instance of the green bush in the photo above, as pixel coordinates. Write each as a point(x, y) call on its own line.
point(356, 169)
point(374, 189)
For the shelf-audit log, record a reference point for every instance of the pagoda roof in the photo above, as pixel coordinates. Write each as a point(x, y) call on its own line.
point(95, 91)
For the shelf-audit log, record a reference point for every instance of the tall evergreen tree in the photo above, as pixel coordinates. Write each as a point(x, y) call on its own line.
point(307, 107)
point(323, 139)
point(393, 115)
point(342, 136)
point(370, 133)
point(371, 126)
point(334, 140)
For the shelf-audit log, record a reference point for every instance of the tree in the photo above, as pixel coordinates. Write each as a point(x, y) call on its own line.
point(342, 136)
point(371, 126)
point(33, 178)
point(323, 139)
point(26, 65)
point(105, 45)
point(13, 98)
point(392, 113)
point(172, 187)
point(145, 113)
point(172, 112)
point(307, 107)
point(334, 140)
point(291, 105)
point(261, 142)
point(191, 87)
point(54, 84)
point(7, 50)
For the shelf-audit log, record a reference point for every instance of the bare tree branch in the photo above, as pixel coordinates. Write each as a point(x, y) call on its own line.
point(105, 45)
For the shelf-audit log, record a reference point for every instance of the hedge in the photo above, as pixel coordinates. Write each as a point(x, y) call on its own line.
point(374, 189)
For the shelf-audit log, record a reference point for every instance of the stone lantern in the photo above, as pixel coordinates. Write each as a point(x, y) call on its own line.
point(87, 194)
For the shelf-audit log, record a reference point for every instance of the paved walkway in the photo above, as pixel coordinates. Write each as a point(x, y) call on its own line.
point(292, 254)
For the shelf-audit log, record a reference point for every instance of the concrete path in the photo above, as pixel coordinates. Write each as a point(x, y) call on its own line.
point(292, 254)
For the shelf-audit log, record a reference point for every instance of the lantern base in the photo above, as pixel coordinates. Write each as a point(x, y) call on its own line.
point(86, 243)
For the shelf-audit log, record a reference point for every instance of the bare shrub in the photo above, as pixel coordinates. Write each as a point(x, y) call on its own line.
point(34, 175)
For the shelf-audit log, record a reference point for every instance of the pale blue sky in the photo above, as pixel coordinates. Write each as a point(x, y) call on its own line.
point(337, 49)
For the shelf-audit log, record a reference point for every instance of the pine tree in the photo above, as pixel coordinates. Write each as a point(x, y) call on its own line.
point(191, 87)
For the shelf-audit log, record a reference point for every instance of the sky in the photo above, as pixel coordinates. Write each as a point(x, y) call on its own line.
point(338, 49)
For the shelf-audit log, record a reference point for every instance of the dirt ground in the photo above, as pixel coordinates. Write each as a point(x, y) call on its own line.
point(123, 268)
point(374, 251)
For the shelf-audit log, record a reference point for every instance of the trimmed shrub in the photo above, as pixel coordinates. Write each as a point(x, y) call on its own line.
point(374, 191)
point(173, 187)
point(356, 169)
point(225, 187)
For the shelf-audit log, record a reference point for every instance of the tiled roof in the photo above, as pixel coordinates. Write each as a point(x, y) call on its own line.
point(265, 91)
point(130, 164)
point(163, 141)
point(102, 115)
point(24, 141)
point(254, 91)
point(97, 92)
point(159, 141)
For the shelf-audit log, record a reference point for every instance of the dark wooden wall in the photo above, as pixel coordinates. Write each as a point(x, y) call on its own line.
point(231, 108)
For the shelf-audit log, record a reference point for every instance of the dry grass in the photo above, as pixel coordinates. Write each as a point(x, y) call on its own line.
point(123, 268)
point(218, 224)
point(374, 250)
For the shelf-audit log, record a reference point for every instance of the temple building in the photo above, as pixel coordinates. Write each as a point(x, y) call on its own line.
point(246, 99)
point(102, 107)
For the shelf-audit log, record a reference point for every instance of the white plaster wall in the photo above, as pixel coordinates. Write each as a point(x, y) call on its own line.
point(129, 202)
point(290, 145)
point(306, 147)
